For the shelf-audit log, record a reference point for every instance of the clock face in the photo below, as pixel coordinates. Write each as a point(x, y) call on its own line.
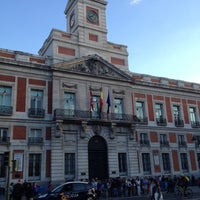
point(92, 16)
point(72, 20)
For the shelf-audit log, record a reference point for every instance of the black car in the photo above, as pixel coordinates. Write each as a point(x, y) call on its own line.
point(75, 190)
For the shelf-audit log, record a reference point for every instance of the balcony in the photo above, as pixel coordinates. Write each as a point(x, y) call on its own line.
point(167, 171)
point(197, 145)
point(182, 144)
point(35, 140)
point(138, 120)
point(179, 123)
point(6, 110)
point(36, 112)
point(144, 143)
point(164, 144)
point(161, 121)
point(195, 124)
point(78, 116)
point(4, 140)
point(196, 140)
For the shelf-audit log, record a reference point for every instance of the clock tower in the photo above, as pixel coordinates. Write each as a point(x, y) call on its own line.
point(86, 34)
point(87, 19)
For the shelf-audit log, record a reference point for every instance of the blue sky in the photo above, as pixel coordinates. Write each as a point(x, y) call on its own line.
point(163, 36)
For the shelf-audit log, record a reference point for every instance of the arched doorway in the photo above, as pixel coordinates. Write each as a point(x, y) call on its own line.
point(97, 158)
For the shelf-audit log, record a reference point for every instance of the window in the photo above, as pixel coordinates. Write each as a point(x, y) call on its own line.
point(176, 111)
point(34, 168)
point(5, 100)
point(77, 187)
point(146, 163)
point(140, 110)
point(36, 105)
point(193, 117)
point(163, 140)
point(37, 99)
point(2, 167)
point(122, 162)
point(192, 114)
point(184, 161)
point(35, 136)
point(181, 140)
point(68, 188)
point(69, 103)
point(166, 162)
point(159, 114)
point(177, 116)
point(96, 106)
point(118, 110)
point(196, 140)
point(144, 139)
point(5, 96)
point(159, 110)
point(4, 135)
point(70, 165)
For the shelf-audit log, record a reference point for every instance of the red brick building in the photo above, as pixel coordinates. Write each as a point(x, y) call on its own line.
point(53, 122)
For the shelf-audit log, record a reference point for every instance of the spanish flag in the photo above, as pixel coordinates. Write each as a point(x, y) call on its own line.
point(101, 101)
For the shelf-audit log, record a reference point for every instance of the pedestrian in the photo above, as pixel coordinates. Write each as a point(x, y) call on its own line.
point(157, 191)
point(18, 190)
point(29, 192)
point(11, 191)
point(138, 185)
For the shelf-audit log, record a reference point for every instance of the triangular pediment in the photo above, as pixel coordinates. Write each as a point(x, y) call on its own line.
point(94, 65)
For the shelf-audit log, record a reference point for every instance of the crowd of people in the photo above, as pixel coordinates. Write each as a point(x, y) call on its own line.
point(19, 189)
point(149, 186)
point(116, 187)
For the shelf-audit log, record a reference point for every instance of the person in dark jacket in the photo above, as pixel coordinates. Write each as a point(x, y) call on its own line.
point(18, 191)
point(29, 191)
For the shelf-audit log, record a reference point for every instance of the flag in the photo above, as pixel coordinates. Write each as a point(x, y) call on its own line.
point(91, 101)
point(101, 100)
point(108, 102)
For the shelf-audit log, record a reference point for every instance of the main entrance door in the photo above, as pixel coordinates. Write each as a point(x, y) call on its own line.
point(97, 158)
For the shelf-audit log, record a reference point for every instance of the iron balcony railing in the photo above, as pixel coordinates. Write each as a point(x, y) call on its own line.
point(161, 121)
point(195, 124)
point(36, 112)
point(164, 143)
point(4, 140)
point(144, 143)
point(179, 123)
point(139, 120)
point(167, 171)
point(182, 144)
point(35, 140)
point(197, 145)
point(6, 110)
point(67, 114)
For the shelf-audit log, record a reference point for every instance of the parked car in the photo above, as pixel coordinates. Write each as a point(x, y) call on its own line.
point(74, 190)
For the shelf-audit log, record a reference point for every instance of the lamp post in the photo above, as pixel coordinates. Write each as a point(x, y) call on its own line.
point(7, 163)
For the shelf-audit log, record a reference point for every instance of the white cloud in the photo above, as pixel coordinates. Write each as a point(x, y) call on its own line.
point(133, 2)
